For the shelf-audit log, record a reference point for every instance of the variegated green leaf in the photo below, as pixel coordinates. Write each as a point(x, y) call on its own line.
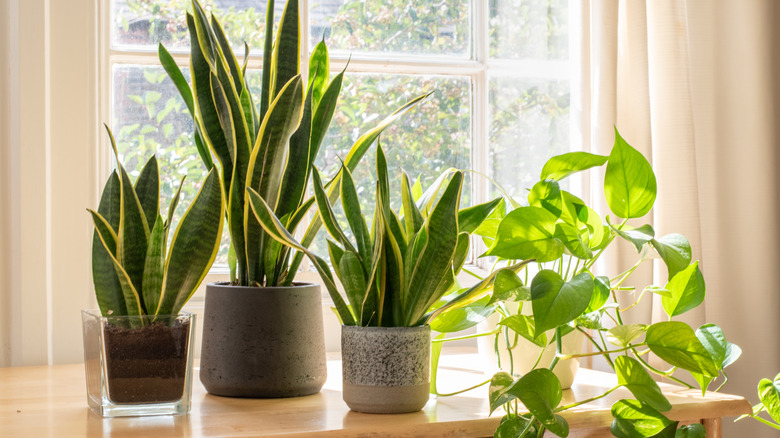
point(194, 246)
point(154, 266)
point(147, 188)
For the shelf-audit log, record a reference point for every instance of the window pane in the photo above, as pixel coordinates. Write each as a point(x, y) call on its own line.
point(394, 26)
point(529, 122)
point(149, 117)
point(529, 29)
point(426, 141)
point(142, 24)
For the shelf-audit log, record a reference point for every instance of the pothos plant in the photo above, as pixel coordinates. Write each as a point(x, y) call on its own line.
point(134, 270)
point(564, 238)
point(396, 274)
point(270, 149)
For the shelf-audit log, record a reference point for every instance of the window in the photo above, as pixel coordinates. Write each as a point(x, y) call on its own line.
point(499, 68)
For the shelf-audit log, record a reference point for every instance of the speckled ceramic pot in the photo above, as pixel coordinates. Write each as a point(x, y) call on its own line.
point(386, 370)
point(263, 341)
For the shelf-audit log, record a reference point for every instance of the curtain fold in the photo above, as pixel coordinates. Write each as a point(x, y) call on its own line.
point(692, 85)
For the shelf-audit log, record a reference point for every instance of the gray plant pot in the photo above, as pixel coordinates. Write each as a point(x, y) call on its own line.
point(263, 342)
point(386, 370)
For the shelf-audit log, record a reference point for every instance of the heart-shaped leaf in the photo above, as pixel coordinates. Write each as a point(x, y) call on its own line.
point(695, 430)
point(637, 236)
point(540, 391)
point(527, 233)
point(508, 285)
point(675, 251)
point(634, 419)
point(629, 181)
point(561, 166)
point(546, 194)
point(497, 392)
point(556, 302)
point(633, 376)
point(676, 343)
point(769, 394)
point(524, 326)
point(623, 335)
point(600, 293)
point(686, 289)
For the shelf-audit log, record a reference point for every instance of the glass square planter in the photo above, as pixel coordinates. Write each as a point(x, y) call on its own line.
point(138, 365)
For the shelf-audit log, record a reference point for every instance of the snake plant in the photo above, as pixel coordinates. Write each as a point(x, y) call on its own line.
point(399, 273)
point(271, 149)
point(134, 270)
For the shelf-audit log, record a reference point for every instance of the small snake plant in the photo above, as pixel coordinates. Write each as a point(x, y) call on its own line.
point(134, 270)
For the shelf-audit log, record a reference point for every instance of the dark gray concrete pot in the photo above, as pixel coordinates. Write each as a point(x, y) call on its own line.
point(386, 370)
point(263, 341)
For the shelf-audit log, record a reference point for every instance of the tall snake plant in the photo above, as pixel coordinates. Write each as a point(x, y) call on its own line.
point(271, 149)
point(133, 269)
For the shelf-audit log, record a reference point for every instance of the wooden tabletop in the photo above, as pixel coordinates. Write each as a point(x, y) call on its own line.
point(51, 401)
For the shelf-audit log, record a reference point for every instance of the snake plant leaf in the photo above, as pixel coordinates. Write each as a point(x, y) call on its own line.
point(561, 166)
point(206, 39)
point(154, 266)
point(469, 219)
point(445, 285)
point(540, 391)
point(461, 252)
point(227, 56)
point(675, 251)
point(323, 112)
point(357, 222)
point(132, 300)
point(170, 66)
point(107, 288)
point(676, 343)
point(629, 181)
point(297, 170)
point(527, 233)
point(373, 302)
point(276, 230)
point(687, 291)
point(634, 376)
point(524, 325)
point(435, 258)
point(353, 157)
point(412, 218)
point(193, 247)
point(108, 291)
point(172, 206)
point(319, 72)
point(268, 47)
point(132, 233)
point(285, 61)
point(329, 217)
point(634, 419)
point(475, 292)
point(395, 294)
point(426, 200)
point(147, 188)
point(556, 302)
point(205, 114)
point(247, 109)
point(266, 163)
point(353, 278)
point(464, 317)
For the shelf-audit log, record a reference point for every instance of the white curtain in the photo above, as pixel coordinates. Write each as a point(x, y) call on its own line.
point(693, 85)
